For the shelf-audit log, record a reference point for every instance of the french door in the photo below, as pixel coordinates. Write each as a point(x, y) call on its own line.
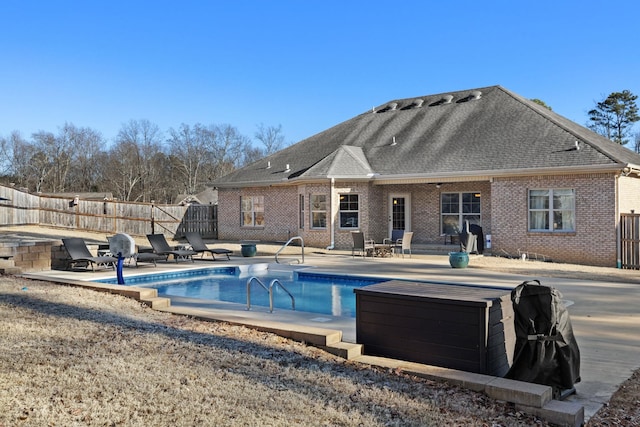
point(399, 212)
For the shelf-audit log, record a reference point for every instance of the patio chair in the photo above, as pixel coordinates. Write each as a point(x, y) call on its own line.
point(361, 245)
point(79, 253)
point(198, 245)
point(395, 241)
point(161, 247)
point(404, 244)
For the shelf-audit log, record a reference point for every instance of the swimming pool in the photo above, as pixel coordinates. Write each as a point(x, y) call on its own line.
point(313, 292)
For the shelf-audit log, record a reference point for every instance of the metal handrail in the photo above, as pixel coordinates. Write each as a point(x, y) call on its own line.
point(251, 279)
point(271, 285)
point(287, 244)
point(269, 291)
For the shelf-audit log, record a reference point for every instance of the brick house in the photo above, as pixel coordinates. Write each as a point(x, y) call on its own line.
point(532, 179)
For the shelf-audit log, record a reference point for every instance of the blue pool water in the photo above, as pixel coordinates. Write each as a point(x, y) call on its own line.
point(313, 292)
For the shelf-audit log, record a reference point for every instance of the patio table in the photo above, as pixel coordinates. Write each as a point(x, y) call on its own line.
point(382, 249)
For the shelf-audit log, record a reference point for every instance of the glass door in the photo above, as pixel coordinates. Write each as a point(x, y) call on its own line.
point(399, 213)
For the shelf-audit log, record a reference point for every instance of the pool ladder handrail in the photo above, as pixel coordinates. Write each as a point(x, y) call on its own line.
point(269, 290)
point(287, 244)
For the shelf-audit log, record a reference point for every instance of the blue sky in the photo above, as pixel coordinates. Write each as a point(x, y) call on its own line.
point(305, 65)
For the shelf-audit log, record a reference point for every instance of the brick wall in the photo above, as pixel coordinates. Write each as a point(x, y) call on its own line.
point(594, 240)
point(280, 213)
point(343, 239)
point(315, 237)
point(504, 211)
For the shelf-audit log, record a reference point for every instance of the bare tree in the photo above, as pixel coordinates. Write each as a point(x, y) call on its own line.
point(252, 154)
point(271, 137)
point(5, 156)
point(229, 150)
point(190, 149)
point(137, 145)
point(122, 172)
point(42, 162)
point(85, 145)
point(16, 152)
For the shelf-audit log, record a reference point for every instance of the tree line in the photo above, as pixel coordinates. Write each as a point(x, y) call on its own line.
point(142, 164)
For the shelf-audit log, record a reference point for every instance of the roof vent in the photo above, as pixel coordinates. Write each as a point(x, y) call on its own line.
point(417, 103)
point(389, 107)
point(476, 94)
point(287, 169)
point(268, 165)
point(446, 99)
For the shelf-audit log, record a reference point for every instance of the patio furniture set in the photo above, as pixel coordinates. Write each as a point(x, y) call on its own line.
point(80, 255)
point(398, 244)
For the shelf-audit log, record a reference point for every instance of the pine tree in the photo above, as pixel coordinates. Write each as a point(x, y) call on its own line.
point(614, 117)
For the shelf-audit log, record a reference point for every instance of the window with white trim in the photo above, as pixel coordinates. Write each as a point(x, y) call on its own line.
point(252, 211)
point(348, 212)
point(456, 208)
point(318, 207)
point(552, 210)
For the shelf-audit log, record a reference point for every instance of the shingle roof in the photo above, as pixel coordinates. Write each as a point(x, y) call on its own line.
point(478, 132)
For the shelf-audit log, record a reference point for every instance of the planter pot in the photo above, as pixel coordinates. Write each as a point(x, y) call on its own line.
point(458, 259)
point(248, 249)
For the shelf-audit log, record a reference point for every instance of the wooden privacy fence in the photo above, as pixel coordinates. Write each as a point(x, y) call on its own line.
point(17, 207)
point(202, 219)
point(106, 216)
point(630, 241)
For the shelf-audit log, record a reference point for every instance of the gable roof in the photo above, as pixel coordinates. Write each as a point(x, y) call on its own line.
point(475, 133)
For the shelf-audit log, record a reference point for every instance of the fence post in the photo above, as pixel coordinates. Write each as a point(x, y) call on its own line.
point(153, 217)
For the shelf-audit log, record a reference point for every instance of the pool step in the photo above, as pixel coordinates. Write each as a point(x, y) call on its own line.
point(156, 302)
point(345, 350)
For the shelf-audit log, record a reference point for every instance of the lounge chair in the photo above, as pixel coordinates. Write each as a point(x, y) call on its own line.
point(161, 247)
point(79, 253)
point(150, 257)
point(360, 245)
point(198, 245)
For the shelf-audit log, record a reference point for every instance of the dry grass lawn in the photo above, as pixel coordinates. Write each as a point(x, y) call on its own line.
point(74, 357)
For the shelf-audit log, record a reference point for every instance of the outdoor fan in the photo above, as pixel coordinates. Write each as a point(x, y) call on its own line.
point(123, 246)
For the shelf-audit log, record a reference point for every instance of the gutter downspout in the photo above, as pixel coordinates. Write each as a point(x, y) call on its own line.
point(332, 216)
